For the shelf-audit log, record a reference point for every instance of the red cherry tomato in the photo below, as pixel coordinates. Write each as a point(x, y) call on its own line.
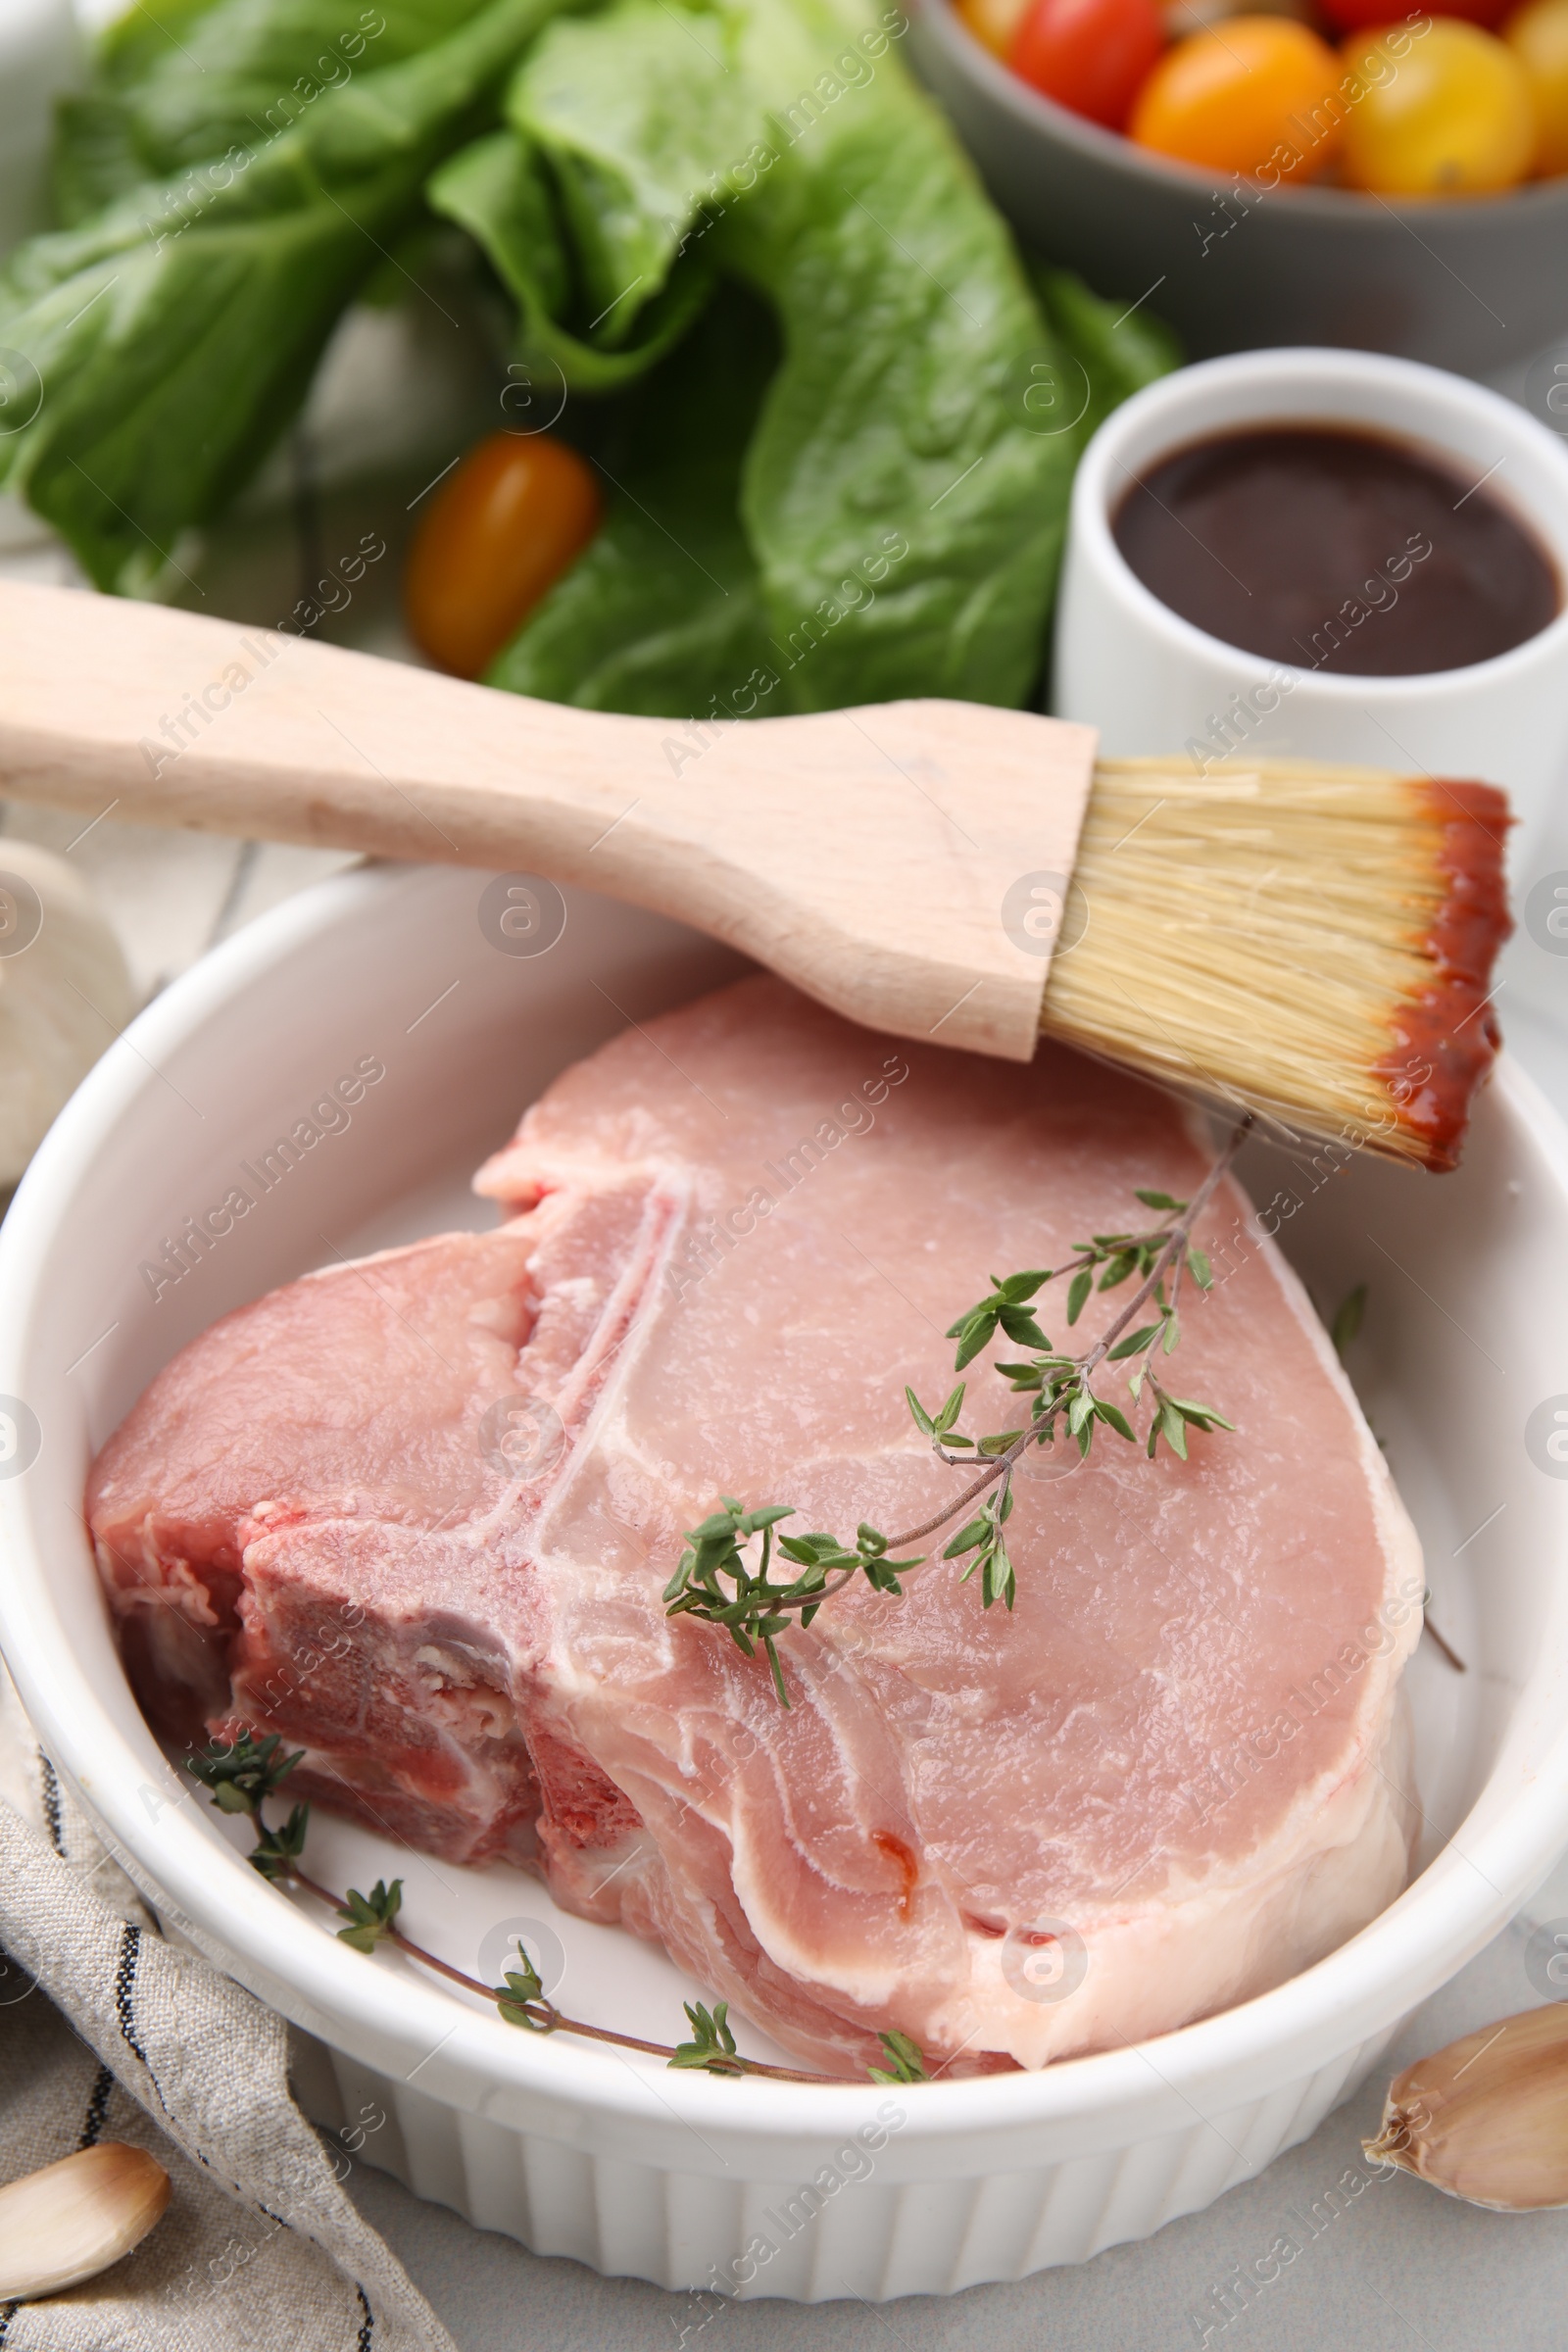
point(500, 531)
point(1089, 55)
point(1354, 16)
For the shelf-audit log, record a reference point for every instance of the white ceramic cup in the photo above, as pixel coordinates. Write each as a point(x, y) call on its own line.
point(1152, 682)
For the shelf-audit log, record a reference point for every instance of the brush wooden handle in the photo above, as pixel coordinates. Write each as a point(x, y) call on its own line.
point(862, 853)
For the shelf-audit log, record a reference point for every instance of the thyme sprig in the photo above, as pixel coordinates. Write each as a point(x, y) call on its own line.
point(239, 1774)
point(713, 2044)
point(906, 2060)
point(255, 1768)
point(756, 1609)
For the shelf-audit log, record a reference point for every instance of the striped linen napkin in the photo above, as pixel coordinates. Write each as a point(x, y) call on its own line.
point(109, 2033)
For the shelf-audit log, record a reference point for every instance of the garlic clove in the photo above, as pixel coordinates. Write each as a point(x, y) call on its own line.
point(1486, 2118)
point(72, 2218)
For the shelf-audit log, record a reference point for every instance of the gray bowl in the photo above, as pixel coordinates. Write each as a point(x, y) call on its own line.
point(1473, 287)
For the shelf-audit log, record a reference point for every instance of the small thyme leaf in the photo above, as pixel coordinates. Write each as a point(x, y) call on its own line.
point(521, 2001)
point(950, 1411)
point(1134, 1342)
point(1347, 1321)
point(906, 2060)
point(276, 1851)
point(371, 1916)
point(1158, 1201)
point(1198, 1265)
point(1083, 1281)
point(973, 1334)
point(241, 1773)
point(1201, 1416)
point(711, 2049)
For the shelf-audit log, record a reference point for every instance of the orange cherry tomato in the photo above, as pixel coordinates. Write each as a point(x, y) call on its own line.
point(1257, 96)
point(991, 22)
point(1091, 56)
point(1537, 35)
point(1450, 116)
point(501, 530)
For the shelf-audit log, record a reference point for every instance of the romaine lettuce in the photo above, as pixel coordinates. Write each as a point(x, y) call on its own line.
point(904, 514)
point(167, 342)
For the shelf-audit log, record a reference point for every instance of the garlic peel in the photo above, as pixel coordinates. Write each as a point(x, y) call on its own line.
point(1486, 2119)
point(67, 2223)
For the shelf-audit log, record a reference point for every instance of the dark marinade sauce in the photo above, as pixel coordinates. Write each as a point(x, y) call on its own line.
point(1336, 550)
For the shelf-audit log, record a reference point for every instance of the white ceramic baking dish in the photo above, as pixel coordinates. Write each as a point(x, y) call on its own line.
point(752, 2187)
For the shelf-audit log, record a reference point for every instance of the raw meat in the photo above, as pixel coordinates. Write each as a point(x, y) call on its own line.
point(417, 1515)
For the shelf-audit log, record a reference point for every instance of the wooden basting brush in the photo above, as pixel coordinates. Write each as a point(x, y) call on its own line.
point(1314, 943)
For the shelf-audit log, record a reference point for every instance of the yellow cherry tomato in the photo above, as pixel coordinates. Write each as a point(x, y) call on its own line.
point(501, 530)
point(1258, 95)
point(1451, 116)
point(991, 22)
point(1537, 35)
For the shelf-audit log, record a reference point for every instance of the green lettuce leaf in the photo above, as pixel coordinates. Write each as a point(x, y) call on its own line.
point(663, 613)
point(500, 192)
point(644, 117)
point(903, 512)
point(895, 433)
point(176, 85)
point(169, 341)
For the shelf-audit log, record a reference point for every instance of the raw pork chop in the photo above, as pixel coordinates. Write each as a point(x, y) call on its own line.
point(1159, 1787)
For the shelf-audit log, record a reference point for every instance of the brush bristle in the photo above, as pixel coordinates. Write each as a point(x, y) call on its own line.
point(1314, 943)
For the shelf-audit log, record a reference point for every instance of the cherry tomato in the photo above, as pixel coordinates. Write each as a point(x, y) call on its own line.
point(991, 22)
point(1357, 16)
point(501, 530)
point(1450, 116)
point(1258, 95)
point(1537, 35)
point(1090, 55)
